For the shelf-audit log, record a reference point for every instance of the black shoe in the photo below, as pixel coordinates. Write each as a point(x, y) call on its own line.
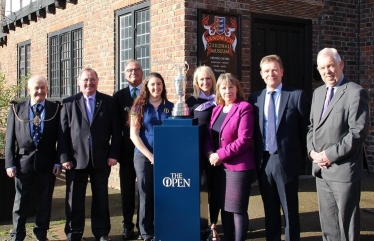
point(128, 233)
point(104, 238)
point(42, 239)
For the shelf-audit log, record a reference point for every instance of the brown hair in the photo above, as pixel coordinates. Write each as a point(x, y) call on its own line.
point(137, 109)
point(228, 79)
point(271, 58)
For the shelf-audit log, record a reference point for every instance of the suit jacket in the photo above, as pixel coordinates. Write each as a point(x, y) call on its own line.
point(20, 150)
point(76, 129)
point(341, 132)
point(124, 102)
point(236, 134)
point(291, 128)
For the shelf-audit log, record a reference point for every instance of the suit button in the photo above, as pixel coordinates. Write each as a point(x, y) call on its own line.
point(36, 149)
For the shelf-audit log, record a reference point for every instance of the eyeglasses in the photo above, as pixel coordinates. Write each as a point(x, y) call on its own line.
point(135, 70)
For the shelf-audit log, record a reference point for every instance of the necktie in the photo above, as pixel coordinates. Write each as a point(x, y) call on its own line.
point(133, 93)
point(329, 95)
point(89, 106)
point(37, 131)
point(271, 128)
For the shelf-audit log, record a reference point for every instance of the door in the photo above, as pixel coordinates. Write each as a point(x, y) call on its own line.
point(291, 40)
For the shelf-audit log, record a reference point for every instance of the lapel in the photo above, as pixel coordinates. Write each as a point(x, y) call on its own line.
point(261, 106)
point(98, 102)
point(339, 93)
point(24, 114)
point(215, 114)
point(285, 95)
point(233, 109)
point(80, 102)
point(319, 98)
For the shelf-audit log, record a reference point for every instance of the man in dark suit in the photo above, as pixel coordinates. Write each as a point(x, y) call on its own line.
point(31, 156)
point(339, 122)
point(89, 144)
point(282, 117)
point(124, 99)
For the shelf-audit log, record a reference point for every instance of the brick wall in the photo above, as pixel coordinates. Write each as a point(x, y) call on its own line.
point(174, 38)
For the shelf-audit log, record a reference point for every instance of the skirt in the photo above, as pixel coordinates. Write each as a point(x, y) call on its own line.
point(230, 190)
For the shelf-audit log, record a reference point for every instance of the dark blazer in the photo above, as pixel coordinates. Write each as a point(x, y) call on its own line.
point(124, 102)
point(76, 129)
point(341, 132)
point(293, 116)
point(20, 150)
point(236, 134)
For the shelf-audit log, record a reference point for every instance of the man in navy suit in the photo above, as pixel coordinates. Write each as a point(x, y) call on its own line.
point(31, 156)
point(280, 147)
point(89, 144)
point(125, 98)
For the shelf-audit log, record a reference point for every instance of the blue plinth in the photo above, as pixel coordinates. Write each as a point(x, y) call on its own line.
point(177, 180)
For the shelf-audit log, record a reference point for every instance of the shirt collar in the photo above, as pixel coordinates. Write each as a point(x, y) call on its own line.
point(137, 87)
point(278, 89)
point(339, 82)
point(92, 96)
point(32, 102)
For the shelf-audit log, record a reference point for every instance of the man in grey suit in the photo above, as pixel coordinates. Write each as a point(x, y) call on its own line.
point(31, 156)
point(89, 144)
point(282, 118)
point(339, 125)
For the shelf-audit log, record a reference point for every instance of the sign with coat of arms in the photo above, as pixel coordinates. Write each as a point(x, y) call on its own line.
point(219, 42)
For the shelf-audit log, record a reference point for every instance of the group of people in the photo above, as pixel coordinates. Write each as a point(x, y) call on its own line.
point(265, 137)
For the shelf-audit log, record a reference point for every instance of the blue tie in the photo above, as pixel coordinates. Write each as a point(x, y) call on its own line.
point(271, 128)
point(37, 132)
point(89, 107)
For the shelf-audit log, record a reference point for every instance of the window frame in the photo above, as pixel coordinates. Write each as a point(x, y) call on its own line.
point(118, 14)
point(26, 66)
point(73, 75)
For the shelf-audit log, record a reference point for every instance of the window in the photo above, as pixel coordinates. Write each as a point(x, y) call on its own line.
point(65, 61)
point(133, 38)
point(23, 63)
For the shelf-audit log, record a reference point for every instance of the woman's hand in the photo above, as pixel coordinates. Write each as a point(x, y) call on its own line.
point(214, 159)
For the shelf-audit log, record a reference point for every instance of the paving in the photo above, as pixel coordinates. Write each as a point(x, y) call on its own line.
point(309, 218)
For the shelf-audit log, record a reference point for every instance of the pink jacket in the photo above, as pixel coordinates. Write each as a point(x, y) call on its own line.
point(236, 135)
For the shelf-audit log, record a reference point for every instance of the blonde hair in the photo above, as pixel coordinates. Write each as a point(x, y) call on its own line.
point(195, 85)
point(228, 79)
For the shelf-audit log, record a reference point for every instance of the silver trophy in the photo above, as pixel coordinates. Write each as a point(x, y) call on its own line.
point(180, 108)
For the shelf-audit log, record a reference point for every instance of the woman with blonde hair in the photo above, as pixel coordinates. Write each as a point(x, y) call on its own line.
point(201, 104)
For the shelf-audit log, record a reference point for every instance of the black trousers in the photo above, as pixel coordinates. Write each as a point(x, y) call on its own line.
point(127, 177)
point(24, 183)
point(76, 183)
point(144, 174)
point(279, 191)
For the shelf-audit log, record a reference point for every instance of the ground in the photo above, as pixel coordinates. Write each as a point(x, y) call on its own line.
point(309, 218)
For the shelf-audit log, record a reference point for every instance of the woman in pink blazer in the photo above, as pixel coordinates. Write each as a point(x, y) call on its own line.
point(229, 146)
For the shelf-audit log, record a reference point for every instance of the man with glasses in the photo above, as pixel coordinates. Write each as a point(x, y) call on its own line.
point(124, 99)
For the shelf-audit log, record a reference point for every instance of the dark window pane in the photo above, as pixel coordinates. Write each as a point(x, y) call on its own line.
point(65, 61)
